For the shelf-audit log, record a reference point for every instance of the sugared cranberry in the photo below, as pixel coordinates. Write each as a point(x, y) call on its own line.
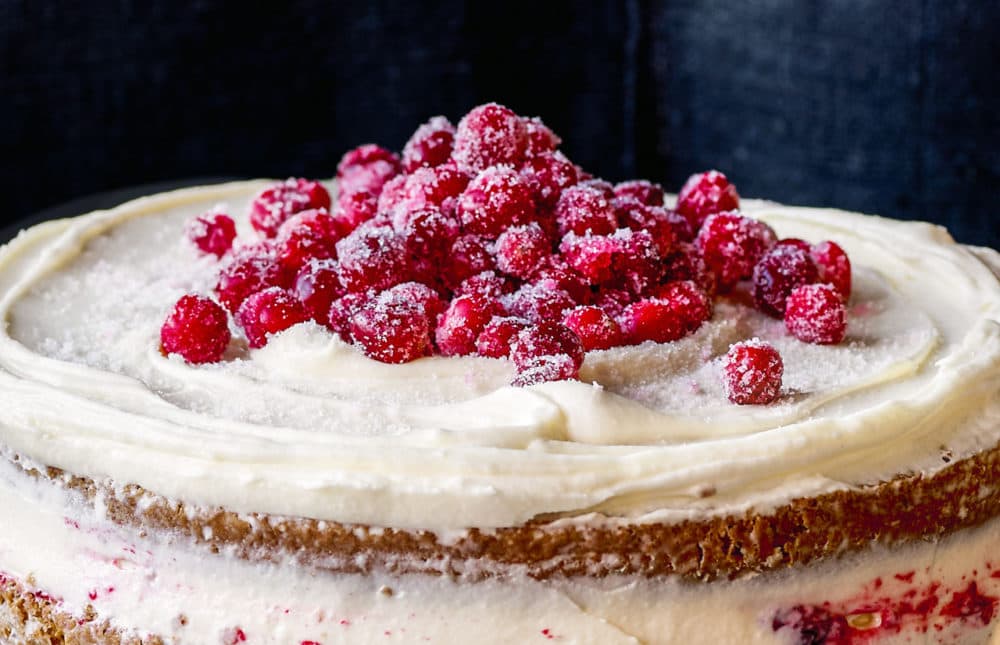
point(463, 321)
point(212, 233)
point(548, 174)
point(686, 263)
point(815, 313)
point(781, 270)
point(308, 235)
point(428, 232)
point(317, 285)
point(496, 338)
point(268, 312)
point(689, 301)
point(391, 329)
point(596, 329)
point(666, 227)
point(249, 271)
point(470, 255)
point(539, 301)
point(343, 309)
point(521, 250)
point(355, 208)
point(427, 299)
point(367, 167)
point(834, 266)
point(487, 284)
point(802, 245)
point(602, 185)
point(364, 155)
point(488, 135)
point(372, 258)
point(636, 264)
point(494, 201)
point(282, 200)
point(438, 187)
point(645, 191)
point(752, 372)
point(393, 193)
point(196, 328)
point(590, 256)
point(582, 210)
point(706, 193)
point(548, 351)
point(557, 270)
point(541, 139)
point(732, 244)
point(430, 145)
point(613, 300)
point(651, 319)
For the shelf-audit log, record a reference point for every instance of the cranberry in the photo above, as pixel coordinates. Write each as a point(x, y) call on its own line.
point(706, 193)
point(539, 301)
point(371, 178)
point(801, 245)
point(212, 233)
point(601, 185)
point(249, 271)
point(430, 145)
point(393, 193)
point(541, 139)
point(548, 351)
point(428, 232)
point(732, 244)
point(596, 329)
point(355, 208)
point(613, 301)
point(816, 314)
point(690, 301)
point(196, 328)
point(686, 263)
point(590, 255)
point(282, 200)
point(636, 264)
point(469, 255)
point(372, 258)
point(365, 155)
point(645, 191)
point(317, 285)
point(652, 319)
point(521, 250)
point(752, 373)
point(834, 266)
point(488, 135)
point(487, 284)
point(308, 235)
point(565, 278)
point(425, 298)
point(494, 201)
point(583, 210)
point(665, 226)
point(546, 369)
point(439, 187)
point(463, 321)
point(781, 270)
point(548, 174)
point(343, 309)
point(391, 329)
point(268, 312)
point(496, 338)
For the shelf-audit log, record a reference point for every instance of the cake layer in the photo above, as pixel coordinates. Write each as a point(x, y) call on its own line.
point(308, 427)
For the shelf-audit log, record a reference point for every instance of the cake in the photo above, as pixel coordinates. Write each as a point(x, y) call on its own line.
point(748, 441)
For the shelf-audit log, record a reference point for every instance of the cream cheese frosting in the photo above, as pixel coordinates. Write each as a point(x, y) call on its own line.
point(307, 426)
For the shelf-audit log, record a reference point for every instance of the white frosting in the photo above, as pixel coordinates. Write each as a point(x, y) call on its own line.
point(310, 427)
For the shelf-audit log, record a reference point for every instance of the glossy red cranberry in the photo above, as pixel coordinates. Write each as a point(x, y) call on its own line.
point(212, 233)
point(645, 191)
point(706, 193)
point(548, 351)
point(595, 328)
point(732, 244)
point(438, 187)
point(752, 372)
point(496, 338)
point(426, 298)
point(280, 201)
point(470, 255)
point(428, 232)
point(689, 301)
point(815, 313)
point(522, 250)
point(343, 309)
point(372, 258)
point(488, 135)
point(391, 329)
point(541, 138)
point(651, 319)
point(636, 264)
point(548, 174)
point(666, 227)
point(539, 301)
point(317, 285)
point(463, 321)
point(248, 271)
point(781, 270)
point(590, 256)
point(494, 201)
point(487, 284)
point(430, 145)
point(582, 210)
point(196, 328)
point(353, 209)
point(269, 312)
point(308, 235)
point(834, 266)
point(686, 263)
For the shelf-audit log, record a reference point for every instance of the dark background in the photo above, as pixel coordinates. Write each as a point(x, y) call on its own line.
point(884, 107)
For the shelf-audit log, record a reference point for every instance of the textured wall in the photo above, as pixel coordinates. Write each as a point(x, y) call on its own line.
point(888, 107)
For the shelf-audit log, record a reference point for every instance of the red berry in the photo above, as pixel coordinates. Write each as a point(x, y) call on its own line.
point(540, 138)
point(316, 286)
point(781, 270)
point(816, 314)
point(689, 301)
point(706, 193)
point(425, 298)
point(596, 329)
point(666, 227)
point(548, 351)
point(686, 263)
point(343, 309)
point(269, 312)
point(196, 328)
point(494, 201)
point(212, 233)
point(539, 301)
point(306, 236)
point(469, 256)
point(834, 266)
point(565, 278)
point(652, 319)
point(488, 135)
point(364, 155)
point(521, 250)
point(590, 255)
point(428, 232)
point(282, 200)
point(391, 329)
point(548, 174)
point(438, 187)
point(487, 284)
point(802, 245)
point(430, 145)
point(613, 301)
point(601, 185)
point(496, 338)
point(248, 271)
point(366, 168)
point(372, 258)
point(355, 208)
point(732, 244)
point(393, 193)
point(752, 372)
point(645, 191)
point(636, 264)
point(463, 321)
point(582, 210)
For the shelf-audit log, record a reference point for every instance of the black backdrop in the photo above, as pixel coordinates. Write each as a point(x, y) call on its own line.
point(887, 107)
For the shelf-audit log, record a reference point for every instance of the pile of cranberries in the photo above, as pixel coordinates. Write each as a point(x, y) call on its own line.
point(485, 239)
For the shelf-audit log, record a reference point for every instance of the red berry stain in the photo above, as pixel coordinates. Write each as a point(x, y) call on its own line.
point(972, 604)
point(905, 577)
point(547, 633)
point(310, 643)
